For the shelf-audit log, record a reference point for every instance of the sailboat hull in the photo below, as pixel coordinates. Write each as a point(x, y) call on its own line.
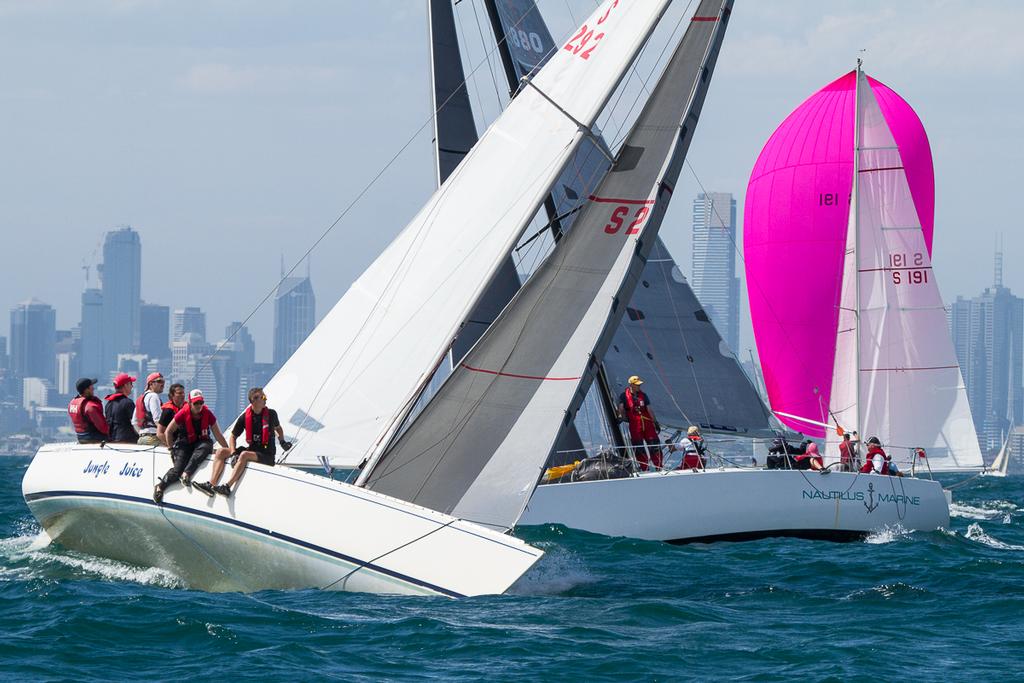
point(742, 504)
point(282, 529)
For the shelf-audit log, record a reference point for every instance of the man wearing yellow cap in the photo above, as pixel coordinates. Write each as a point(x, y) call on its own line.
point(635, 408)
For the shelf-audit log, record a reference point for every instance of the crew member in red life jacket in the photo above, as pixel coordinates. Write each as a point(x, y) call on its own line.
point(260, 425)
point(694, 450)
point(189, 431)
point(120, 410)
point(635, 407)
point(877, 460)
point(86, 413)
point(147, 410)
point(169, 408)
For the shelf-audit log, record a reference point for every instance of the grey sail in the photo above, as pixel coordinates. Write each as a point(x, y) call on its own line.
point(454, 135)
point(690, 373)
point(478, 448)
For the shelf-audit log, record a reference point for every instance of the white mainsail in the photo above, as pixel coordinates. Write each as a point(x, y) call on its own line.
point(477, 449)
point(348, 386)
point(896, 373)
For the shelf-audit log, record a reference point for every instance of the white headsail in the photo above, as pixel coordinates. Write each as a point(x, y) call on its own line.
point(477, 449)
point(349, 384)
point(896, 373)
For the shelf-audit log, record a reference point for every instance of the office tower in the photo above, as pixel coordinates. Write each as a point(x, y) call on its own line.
point(294, 316)
point(90, 346)
point(230, 390)
point(713, 273)
point(184, 352)
point(246, 345)
point(3, 353)
point(67, 373)
point(189, 320)
point(155, 331)
point(35, 391)
point(33, 340)
point(988, 335)
point(121, 274)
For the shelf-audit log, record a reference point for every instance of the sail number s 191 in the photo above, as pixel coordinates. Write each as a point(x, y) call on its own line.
point(908, 270)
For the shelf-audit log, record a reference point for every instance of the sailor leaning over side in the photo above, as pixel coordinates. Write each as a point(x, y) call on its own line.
point(260, 425)
point(189, 431)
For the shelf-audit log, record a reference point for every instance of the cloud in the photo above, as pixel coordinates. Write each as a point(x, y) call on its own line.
point(956, 39)
point(219, 78)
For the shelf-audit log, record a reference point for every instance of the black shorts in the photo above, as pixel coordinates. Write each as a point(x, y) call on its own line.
point(263, 456)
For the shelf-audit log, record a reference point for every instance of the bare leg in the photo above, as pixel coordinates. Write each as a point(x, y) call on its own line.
point(244, 459)
point(218, 465)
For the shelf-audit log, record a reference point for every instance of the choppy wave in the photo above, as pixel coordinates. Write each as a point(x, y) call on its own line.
point(887, 534)
point(976, 533)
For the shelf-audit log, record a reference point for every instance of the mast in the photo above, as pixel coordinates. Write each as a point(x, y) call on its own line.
point(854, 203)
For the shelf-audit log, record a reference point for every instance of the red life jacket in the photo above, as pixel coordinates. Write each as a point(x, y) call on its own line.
point(82, 423)
point(641, 426)
point(206, 421)
point(169, 405)
point(265, 436)
point(874, 450)
point(143, 418)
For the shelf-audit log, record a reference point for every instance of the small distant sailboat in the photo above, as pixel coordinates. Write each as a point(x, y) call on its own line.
point(1001, 465)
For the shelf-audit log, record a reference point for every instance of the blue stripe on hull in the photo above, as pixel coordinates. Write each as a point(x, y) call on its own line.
point(29, 497)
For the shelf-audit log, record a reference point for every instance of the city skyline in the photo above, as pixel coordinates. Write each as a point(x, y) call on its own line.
point(264, 143)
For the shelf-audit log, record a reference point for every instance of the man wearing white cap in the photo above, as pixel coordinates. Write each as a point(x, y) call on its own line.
point(189, 431)
point(147, 409)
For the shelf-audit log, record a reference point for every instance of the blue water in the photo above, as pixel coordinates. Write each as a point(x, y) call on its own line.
point(898, 606)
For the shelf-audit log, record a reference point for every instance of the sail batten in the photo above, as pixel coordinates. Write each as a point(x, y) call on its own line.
point(478, 448)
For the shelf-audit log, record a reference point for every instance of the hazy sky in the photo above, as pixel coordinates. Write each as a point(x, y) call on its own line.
point(231, 132)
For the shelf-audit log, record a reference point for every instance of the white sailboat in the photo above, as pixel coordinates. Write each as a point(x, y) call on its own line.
point(288, 529)
point(893, 334)
point(1001, 465)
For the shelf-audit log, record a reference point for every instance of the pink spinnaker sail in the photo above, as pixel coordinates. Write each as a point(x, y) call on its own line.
point(794, 234)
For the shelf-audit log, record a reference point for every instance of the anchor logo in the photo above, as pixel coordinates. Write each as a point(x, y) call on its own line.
point(871, 497)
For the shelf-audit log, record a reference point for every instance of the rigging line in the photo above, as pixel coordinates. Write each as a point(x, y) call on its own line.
point(490, 67)
point(365, 563)
point(476, 88)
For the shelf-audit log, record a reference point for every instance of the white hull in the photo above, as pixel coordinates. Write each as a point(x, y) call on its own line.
point(282, 529)
point(741, 504)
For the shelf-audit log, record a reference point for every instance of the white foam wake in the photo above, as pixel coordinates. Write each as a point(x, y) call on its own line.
point(965, 511)
point(887, 534)
point(976, 533)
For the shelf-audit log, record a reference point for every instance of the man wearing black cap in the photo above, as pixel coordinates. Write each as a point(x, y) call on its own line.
point(86, 413)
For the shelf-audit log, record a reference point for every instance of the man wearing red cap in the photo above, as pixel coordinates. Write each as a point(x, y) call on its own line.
point(189, 431)
point(120, 410)
point(147, 409)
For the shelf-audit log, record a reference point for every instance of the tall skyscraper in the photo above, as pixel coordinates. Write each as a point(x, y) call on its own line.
point(189, 320)
point(155, 330)
point(713, 272)
point(988, 335)
point(90, 343)
point(121, 274)
point(33, 340)
point(294, 316)
point(246, 345)
point(3, 353)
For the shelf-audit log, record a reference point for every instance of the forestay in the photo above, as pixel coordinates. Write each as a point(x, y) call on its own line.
point(477, 450)
point(361, 369)
point(905, 387)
